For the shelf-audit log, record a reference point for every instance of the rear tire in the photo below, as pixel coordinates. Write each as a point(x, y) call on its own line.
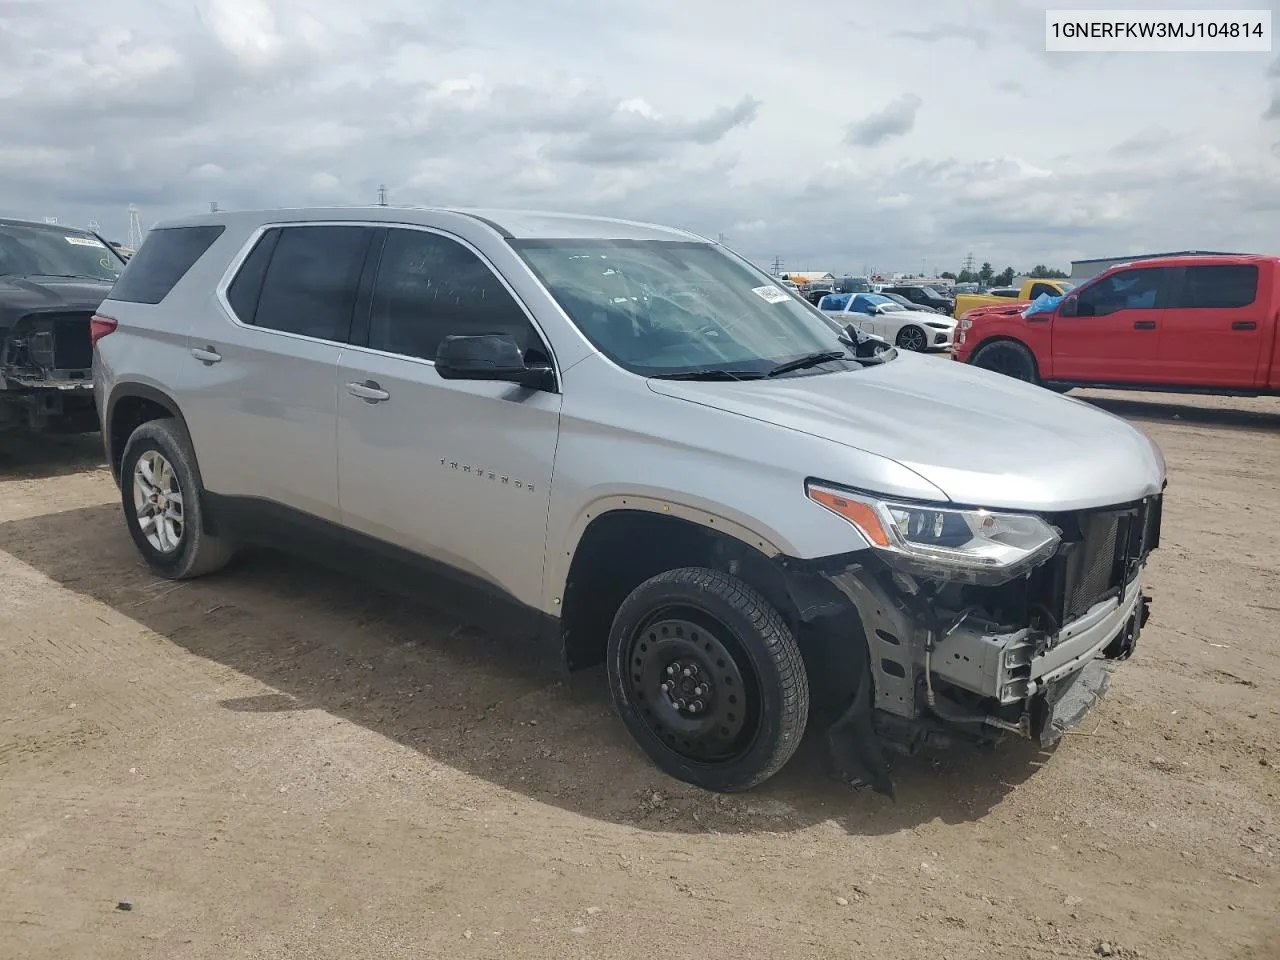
point(1009, 358)
point(160, 491)
point(708, 679)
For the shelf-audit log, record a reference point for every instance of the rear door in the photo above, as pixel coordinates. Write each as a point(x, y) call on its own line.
point(263, 411)
point(1114, 336)
point(1214, 328)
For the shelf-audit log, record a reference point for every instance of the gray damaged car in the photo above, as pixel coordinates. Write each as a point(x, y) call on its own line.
point(630, 443)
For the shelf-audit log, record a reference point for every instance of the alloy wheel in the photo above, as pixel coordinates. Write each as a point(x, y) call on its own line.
point(158, 502)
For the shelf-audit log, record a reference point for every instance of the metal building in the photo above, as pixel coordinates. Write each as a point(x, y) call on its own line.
point(1085, 269)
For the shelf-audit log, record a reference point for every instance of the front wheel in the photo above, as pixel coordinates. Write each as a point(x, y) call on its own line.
point(912, 338)
point(1007, 357)
point(708, 679)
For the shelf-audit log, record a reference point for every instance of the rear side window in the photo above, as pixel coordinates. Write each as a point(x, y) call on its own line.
point(1224, 287)
point(163, 259)
point(310, 283)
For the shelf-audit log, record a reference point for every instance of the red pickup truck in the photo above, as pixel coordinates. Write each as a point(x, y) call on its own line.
point(1190, 324)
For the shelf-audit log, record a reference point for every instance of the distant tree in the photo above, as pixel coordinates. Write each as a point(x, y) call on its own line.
point(1004, 278)
point(966, 276)
point(947, 275)
point(1047, 273)
point(986, 273)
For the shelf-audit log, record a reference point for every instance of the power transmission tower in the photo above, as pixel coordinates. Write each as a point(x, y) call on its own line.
point(135, 227)
point(213, 206)
point(382, 194)
point(777, 266)
point(95, 226)
point(968, 263)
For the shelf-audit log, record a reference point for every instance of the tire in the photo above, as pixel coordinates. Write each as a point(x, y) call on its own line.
point(1009, 358)
point(724, 649)
point(912, 338)
point(176, 551)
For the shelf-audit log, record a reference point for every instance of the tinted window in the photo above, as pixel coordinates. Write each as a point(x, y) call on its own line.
point(1223, 287)
point(1039, 289)
point(430, 287)
point(310, 286)
point(163, 259)
point(1126, 290)
point(247, 285)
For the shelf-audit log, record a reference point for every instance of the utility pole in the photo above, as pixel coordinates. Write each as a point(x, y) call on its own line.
point(382, 194)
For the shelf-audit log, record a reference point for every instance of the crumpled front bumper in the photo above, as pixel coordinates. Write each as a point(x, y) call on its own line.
point(1011, 667)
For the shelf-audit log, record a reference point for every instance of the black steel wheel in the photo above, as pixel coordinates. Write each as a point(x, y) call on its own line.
point(912, 338)
point(708, 678)
point(1009, 358)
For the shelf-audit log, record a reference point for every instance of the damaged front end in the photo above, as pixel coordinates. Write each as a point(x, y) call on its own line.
point(973, 654)
point(46, 378)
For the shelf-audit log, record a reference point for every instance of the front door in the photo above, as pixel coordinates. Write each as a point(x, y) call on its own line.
point(1213, 329)
point(1115, 334)
point(457, 472)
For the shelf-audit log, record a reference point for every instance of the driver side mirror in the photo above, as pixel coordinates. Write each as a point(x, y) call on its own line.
point(491, 356)
point(1069, 307)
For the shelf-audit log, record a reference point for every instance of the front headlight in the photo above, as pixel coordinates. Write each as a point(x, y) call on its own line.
point(943, 542)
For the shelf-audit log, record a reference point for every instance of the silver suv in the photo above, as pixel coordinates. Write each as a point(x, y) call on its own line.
point(629, 442)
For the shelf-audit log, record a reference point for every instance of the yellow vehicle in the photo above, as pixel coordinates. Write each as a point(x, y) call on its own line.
point(1000, 296)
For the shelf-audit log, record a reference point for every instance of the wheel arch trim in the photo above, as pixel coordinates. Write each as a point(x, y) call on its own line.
point(560, 562)
point(129, 390)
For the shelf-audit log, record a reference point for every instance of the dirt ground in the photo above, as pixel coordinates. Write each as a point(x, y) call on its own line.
point(278, 762)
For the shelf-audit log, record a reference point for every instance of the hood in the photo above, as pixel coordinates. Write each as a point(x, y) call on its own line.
point(982, 438)
point(927, 316)
point(20, 295)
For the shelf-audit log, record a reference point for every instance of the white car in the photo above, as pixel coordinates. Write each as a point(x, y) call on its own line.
point(919, 330)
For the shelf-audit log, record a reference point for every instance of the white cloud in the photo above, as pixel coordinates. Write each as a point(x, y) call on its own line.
point(954, 131)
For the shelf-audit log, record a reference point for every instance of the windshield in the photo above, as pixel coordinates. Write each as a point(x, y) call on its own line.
point(662, 308)
point(1067, 286)
point(32, 250)
point(933, 292)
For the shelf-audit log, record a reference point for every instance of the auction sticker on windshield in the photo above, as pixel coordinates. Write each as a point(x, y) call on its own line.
point(771, 294)
point(82, 241)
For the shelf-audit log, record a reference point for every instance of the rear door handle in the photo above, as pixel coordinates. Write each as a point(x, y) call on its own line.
point(368, 391)
point(206, 355)
point(1144, 324)
point(1244, 325)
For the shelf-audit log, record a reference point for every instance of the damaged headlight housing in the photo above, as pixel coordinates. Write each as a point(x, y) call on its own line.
point(944, 542)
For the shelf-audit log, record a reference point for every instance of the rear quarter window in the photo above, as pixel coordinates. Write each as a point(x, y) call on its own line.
point(163, 259)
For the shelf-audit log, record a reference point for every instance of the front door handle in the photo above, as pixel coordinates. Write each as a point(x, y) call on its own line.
point(368, 391)
point(1244, 325)
point(206, 354)
point(1144, 324)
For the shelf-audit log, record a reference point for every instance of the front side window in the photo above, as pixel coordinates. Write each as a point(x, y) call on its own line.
point(662, 308)
point(1127, 290)
point(430, 287)
point(310, 283)
point(33, 250)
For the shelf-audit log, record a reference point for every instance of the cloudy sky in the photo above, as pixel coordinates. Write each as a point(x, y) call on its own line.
point(834, 134)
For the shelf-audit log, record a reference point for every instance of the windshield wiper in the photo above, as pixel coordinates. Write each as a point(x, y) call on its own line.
point(808, 360)
point(709, 373)
point(71, 276)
